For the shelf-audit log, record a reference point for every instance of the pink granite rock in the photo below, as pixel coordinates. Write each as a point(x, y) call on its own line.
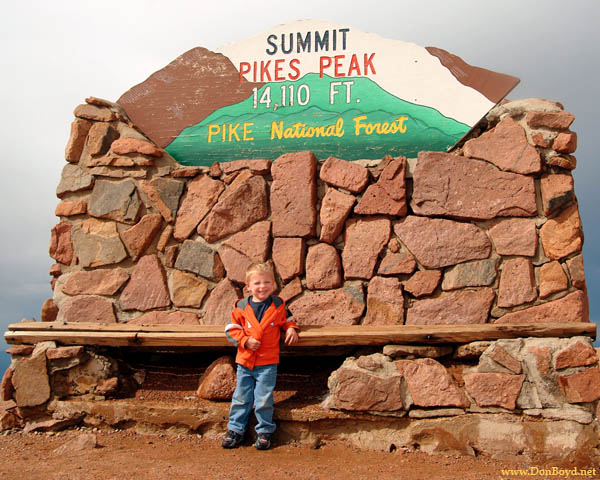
point(388, 195)
point(97, 243)
point(258, 166)
point(397, 264)
point(570, 308)
point(385, 303)
point(552, 279)
point(557, 191)
point(87, 309)
point(364, 240)
point(187, 290)
point(506, 147)
point(30, 380)
point(165, 318)
point(147, 288)
point(458, 187)
point(501, 356)
point(517, 283)
point(219, 380)
point(202, 194)
point(288, 256)
point(568, 162)
point(565, 142)
point(243, 203)
point(99, 138)
point(430, 384)
point(581, 387)
point(347, 175)
point(68, 209)
point(343, 306)
point(515, 236)
point(562, 235)
point(244, 248)
point(61, 245)
point(578, 354)
point(138, 238)
point(164, 193)
point(294, 195)
point(291, 290)
point(494, 389)
point(93, 112)
point(462, 307)
point(323, 267)
point(217, 310)
point(577, 271)
point(439, 243)
point(79, 131)
point(124, 146)
point(423, 283)
point(558, 120)
point(335, 208)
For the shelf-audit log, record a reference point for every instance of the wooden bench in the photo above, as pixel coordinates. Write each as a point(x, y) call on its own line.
point(123, 335)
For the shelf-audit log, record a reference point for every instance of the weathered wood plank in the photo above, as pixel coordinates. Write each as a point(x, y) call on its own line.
point(203, 336)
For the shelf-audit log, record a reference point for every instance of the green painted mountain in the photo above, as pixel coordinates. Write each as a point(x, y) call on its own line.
point(360, 121)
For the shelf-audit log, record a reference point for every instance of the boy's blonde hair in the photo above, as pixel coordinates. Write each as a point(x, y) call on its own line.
point(266, 267)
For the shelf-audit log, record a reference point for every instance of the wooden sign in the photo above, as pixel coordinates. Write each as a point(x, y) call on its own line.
point(312, 85)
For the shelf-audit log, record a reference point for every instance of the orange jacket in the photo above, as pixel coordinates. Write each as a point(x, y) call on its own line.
point(244, 325)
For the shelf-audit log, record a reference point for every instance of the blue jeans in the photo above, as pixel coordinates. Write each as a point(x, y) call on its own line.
point(254, 387)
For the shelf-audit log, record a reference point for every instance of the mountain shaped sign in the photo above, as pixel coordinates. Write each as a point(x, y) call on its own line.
point(312, 85)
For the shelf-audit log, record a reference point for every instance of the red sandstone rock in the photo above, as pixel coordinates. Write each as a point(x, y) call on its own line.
point(394, 245)
point(164, 193)
point(138, 238)
point(385, 303)
point(202, 194)
point(97, 243)
point(171, 254)
point(571, 308)
point(576, 355)
point(557, 191)
point(581, 387)
point(562, 235)
point(343, 306)
point(539, 140)
point(147, 288)
point(364, 240)
point(186, 172)
point(501, 356)
point(49, 311)
point(64, 352)
point(67, 209)
point(20, 350)
point(494, 389)
point(565, 142)
point(215, 170)
point(198, 258)
point(217, 310)
point(87, 309)
point(515, 236)
point(423, 282)
point(552, 279)
point(79, 131)
point(61, 245)
point(397, 264)
point(335, 208)
point(242, 204)
point(245, 248)
point(73, 179)
point(124, 146)
point(95, 282)
point(347, 175)
point(99, 138)
point(323, 267)
point(30, 380)
point(477, 273)
point(259, 167)
point(288, 256)
point(6, 387)
point(430, 384)
point(165, 318)
point(187, 290)
point(219, 380)
point(294, 195)
point(55, 270)
point(506, 147)
point(517, 283)
point(563, 161)
point(558, 120)
point(112, 160)
point(463, 307)
point(388, 195)
point(458, 187)
point(439, 243)
point(92, 112)
point(576, 271)
point(291, 290)
point(164, 238)
point(107, 386)
point(543, 357)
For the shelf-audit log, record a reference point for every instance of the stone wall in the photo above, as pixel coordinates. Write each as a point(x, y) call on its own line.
point(488, 233)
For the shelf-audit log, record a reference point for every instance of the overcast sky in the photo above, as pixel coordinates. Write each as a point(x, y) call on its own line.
point(55, 54)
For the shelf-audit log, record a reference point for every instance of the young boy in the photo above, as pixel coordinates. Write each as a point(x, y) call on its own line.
point(255, 327)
